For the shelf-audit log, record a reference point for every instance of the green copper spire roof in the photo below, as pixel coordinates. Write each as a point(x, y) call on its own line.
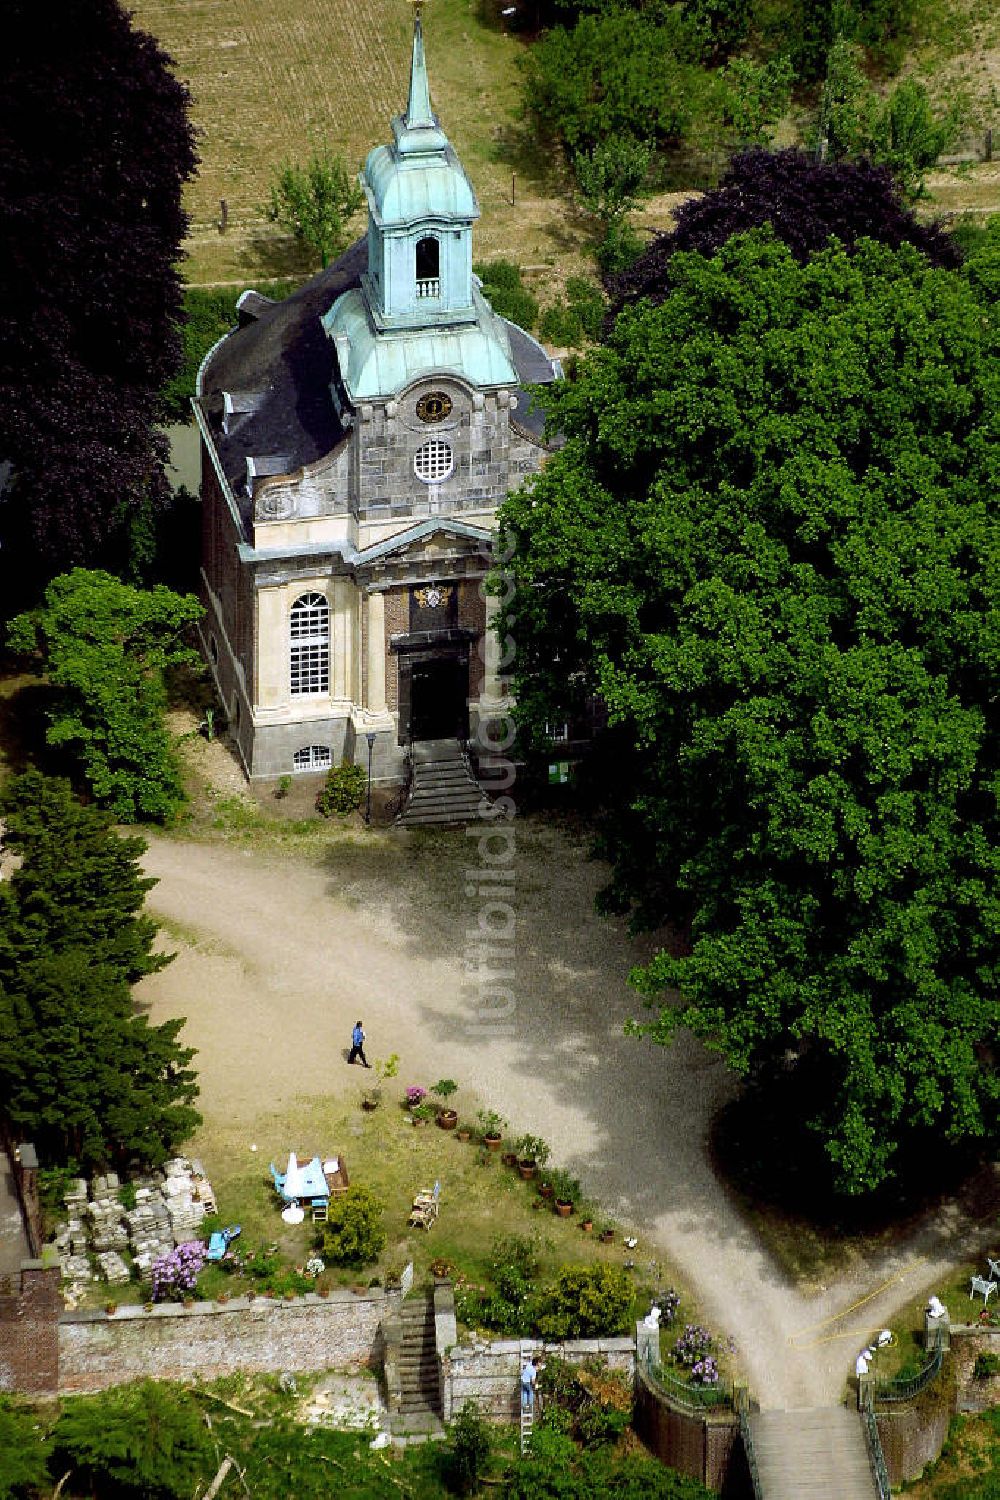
point(418, 132)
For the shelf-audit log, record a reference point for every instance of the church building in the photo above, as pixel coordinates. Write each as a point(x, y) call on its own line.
point(357, 440)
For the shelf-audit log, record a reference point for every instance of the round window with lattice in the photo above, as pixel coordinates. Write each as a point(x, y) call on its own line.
point(433, 462)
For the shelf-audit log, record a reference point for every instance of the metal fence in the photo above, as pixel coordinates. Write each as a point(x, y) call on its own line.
point(895, 1389)
point(692, 1398)
point(746, 1433)
point(876, 1456)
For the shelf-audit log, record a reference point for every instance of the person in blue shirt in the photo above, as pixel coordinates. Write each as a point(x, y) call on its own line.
point(528, 1374)
point(358, 1047)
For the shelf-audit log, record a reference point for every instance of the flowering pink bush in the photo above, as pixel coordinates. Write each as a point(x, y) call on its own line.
point(414, 1094)
point(176, 1274)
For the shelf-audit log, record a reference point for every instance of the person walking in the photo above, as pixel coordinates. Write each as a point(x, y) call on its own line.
point(358, 1047)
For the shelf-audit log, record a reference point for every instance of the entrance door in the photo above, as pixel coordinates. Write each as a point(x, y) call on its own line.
point(438, 693)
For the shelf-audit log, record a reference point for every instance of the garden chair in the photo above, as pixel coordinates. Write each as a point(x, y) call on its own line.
point(425, 1207)
point(980, 1284)
point(994, 1266)
point(320, 1212)
point(279, 1178)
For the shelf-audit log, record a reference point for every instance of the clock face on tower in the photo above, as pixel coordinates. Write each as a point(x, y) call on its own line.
point(434, 407)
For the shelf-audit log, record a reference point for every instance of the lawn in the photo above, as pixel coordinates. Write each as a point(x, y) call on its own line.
point(270, 83)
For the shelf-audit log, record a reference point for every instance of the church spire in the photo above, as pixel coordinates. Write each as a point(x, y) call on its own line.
point(418, 110)
point(417, 131)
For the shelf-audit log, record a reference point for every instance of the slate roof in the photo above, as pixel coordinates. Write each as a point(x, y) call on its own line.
point(282, 357)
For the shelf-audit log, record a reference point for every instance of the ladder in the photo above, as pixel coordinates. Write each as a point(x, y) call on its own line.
point(527, 1427)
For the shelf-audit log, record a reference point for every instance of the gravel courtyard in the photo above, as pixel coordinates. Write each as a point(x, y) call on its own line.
point(279, 954)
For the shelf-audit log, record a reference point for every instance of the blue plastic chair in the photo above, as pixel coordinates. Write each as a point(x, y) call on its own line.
point(216, 1246)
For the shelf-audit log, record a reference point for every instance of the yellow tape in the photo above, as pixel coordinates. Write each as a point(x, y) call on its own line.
point(868, 1297)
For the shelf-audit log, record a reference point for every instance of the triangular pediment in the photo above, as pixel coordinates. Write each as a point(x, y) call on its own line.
point(429, 541)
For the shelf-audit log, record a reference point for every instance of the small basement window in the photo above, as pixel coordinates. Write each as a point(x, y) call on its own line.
point(312, 758)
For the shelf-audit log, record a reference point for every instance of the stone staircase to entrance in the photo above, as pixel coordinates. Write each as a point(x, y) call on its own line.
point(420, 1390)
point(443, 789)
point(812, 1455)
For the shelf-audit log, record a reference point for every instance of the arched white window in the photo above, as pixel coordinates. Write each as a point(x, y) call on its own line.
point(434, 461)
point(312, 758)
point(428, 267)
point(310, 645)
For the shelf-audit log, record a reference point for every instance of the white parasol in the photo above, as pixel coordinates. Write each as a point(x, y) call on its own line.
point(293, 1178)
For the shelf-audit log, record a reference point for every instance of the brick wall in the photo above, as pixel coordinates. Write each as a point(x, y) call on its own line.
point(472, 616)
point(173, 1342)
point(29, 1342)
point(707, 1446)
point(397, 622)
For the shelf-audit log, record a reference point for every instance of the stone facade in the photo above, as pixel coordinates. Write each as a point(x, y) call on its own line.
point(357, 441)
point(488, 1371)
point(207, 1340)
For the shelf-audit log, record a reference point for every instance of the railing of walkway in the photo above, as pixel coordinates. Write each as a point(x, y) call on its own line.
point(905, 1390)
point(875, 1455)
point(691, 1398)
point(746, 1433)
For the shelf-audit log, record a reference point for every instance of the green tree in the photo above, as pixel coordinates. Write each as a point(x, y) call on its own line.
point(80, 1071)
point(586, 1302)
point(315, 203)
point(758, 95)
point(354, 1234)
point(900, 131)
point(146, 1440)
point(555, 1469)
point(104, 647)
point(24, 1449)
point(617, 76)
point(768, 546)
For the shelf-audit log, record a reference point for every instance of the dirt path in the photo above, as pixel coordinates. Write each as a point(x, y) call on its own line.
point(276, 949)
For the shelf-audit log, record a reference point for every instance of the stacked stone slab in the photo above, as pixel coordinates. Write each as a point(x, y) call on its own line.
point(169, 1209)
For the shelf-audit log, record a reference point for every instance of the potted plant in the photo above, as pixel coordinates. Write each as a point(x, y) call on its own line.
point(545, 1187)
point(423, 1113)
point(387, 1068)
point(414, 1096)
point(606, 1234)
point(566, 1192)
point(463, 1133)
point(532, 1153)
point(447, 1117)
point(491, 1128)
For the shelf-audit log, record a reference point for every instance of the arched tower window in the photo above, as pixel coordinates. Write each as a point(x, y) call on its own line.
point(309, 643)
point(428, 267)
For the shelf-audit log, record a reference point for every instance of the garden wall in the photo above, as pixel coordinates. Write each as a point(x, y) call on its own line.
point(30, 1304)
point(705, 1445)
point(913, 1435)
point(488, 1371)
point(172, 1342)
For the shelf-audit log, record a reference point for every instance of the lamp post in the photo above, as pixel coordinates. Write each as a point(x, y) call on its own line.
point(370, 737)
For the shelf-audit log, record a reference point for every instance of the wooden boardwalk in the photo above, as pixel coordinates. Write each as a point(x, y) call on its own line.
point(812, 1455)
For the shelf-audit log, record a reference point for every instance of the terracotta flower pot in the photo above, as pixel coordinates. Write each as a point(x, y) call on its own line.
point(509, 1158)
point(418, 1122)
point(545, 1189)
point(493, 1142)
point(563, 1209)
point(586, 1225)
point(447, 1118)
point(607, 1236)
point(527, 1169)
point(463, 1135)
